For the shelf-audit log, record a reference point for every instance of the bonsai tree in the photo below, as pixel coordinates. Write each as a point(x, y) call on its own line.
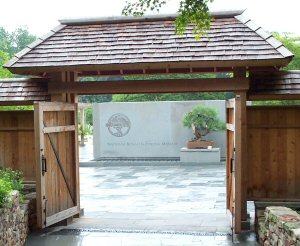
point(203, 120)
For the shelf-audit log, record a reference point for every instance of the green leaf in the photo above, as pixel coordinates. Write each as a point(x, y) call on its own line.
point(190, 12)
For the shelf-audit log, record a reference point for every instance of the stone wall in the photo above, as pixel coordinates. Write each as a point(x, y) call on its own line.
point(13, 222)
point(280, 226)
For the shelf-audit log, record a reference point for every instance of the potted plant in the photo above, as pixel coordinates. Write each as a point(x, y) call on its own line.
point(83, 132)
point(202, 120)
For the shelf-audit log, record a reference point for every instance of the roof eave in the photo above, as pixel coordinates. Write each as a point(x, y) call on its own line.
point(278, 63)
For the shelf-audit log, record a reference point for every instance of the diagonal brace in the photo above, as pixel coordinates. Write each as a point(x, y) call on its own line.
point(60, 165)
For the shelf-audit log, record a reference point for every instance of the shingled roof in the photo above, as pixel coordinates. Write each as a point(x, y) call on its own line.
point(23, 91)
point(150, 42)
point(276, 83)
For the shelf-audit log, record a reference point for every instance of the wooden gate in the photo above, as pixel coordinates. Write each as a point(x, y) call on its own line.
point(57, 169)
point(230, 157)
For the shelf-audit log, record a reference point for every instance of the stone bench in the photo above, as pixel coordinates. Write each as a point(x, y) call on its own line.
point(200, 155)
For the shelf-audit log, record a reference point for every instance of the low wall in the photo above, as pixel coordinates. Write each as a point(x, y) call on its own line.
point(281, 226)
point(153, 129)
point(13, 222)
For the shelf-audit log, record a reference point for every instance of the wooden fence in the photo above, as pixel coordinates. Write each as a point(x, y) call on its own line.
point(17, 145)
point(273, 165)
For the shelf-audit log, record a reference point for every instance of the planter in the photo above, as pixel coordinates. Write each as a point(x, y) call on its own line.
point(199, 144)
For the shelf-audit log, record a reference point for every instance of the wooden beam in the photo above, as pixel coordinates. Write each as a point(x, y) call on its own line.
point(150, 86)
point(240, 160)
point(52, 129)
point(157, 65)
point(19, 129)
point(15, 103)
point(57, 106)
point(61, 215)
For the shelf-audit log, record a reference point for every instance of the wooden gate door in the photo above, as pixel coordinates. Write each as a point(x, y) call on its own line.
point(230, 157)
point(57, 169)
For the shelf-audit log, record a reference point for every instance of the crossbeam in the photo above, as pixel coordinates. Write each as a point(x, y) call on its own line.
point(150, 86)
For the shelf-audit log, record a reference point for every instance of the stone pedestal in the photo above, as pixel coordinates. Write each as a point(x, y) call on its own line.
point(200, 155)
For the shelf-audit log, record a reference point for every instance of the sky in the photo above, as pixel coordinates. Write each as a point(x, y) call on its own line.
point(40, 16)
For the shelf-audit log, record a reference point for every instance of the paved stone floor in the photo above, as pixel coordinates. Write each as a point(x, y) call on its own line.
point(59, 237)
point(172, 197)
point(158, 203)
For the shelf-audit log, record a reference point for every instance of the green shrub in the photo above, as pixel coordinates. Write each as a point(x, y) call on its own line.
point(88, 130)
point(13, 177)
point(10, 180)
point(5, 189)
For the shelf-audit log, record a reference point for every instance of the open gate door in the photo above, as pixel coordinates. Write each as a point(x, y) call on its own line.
point(230, 158)
point(57, 168)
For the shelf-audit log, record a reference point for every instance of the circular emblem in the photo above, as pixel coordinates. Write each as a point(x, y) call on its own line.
point(118, 125)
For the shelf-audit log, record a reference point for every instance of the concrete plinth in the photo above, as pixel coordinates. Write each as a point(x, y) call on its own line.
point(200, 155)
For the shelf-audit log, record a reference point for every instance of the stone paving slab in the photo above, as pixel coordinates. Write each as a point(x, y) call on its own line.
point(153, 189)
point(59, 237)
point(181, 200)
point(157, 222)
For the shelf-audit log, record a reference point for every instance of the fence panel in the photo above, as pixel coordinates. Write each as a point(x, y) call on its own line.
point(17, 149)
point(273, 153)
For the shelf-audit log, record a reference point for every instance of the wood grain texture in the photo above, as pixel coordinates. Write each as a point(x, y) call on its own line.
point(150, 86)
point(240, 159)
point(57, 140)
point(17, 142)
point(273, 153)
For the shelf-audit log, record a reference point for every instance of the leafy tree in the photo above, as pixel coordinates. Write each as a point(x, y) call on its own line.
point(4, 57)
point(10, 44)
point(95, 98)
point(15, 41)
point(4, 40)
point(195, 12)
point(292, 44)
point(19, 39)
point(169, 97)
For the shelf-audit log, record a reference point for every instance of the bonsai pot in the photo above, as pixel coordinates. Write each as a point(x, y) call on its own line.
point(199, 144)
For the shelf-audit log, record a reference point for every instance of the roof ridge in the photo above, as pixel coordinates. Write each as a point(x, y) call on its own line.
point(145, 18)
point(267, 36)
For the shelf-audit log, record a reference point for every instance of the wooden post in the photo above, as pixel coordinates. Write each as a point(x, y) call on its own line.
point(240, 155)
point(71, 77)
point(40, 187)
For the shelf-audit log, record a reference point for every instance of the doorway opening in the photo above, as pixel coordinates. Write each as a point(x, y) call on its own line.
point(152, 194)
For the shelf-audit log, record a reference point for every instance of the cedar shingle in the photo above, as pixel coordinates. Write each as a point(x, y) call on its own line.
point(25, 90)
point(230, 37)
point(283, 82)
